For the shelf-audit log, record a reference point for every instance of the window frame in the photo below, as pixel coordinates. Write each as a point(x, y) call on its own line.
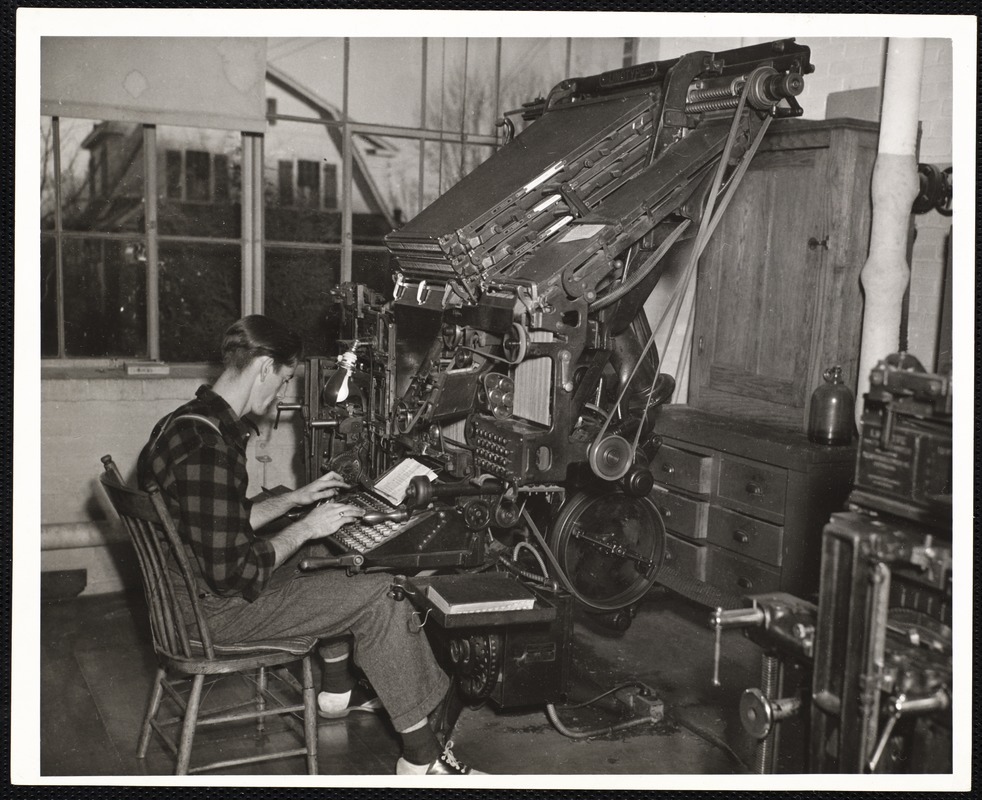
point(252, 239)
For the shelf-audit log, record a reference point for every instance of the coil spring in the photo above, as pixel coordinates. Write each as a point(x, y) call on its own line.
point(731, 90)
point(712, 105)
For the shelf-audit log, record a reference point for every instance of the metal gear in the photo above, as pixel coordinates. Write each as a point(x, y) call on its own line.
point(477, 662)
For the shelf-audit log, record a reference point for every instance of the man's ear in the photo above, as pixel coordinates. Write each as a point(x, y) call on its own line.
point(265, 367)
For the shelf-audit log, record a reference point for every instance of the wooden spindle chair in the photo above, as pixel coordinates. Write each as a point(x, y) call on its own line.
point(186, 653)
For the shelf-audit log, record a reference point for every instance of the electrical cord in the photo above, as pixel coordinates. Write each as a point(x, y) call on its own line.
point(591, 732)
point(709, 738)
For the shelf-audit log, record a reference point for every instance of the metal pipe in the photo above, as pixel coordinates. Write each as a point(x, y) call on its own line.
point(258, 203)
point(895, 185)
point(346, 174)
point(72, 535)
point(153, 265)
point(247, 202)
point(59, 246)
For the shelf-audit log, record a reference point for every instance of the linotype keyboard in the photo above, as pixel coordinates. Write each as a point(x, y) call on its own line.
point(365, 538)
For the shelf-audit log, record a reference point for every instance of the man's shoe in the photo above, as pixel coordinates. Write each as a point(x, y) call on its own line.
point(360, 701)
point(446, 764)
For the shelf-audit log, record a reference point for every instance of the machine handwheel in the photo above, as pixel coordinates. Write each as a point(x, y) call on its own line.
point(476, 661)
point(610, 546)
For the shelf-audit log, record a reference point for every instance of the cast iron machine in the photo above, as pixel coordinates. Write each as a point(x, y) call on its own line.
point(514, 358)
point(877, 646)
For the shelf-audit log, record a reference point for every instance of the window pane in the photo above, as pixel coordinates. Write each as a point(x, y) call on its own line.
point(200, 182)
point(308, 184)
point(530, 68)
point(105, 291)
point(385, 90)
point(298, 293)
point(445, 83)
point(374, 269)
point(297, 154)
point(175, 175)
point(446, 163)
point(47, 174)
point(591, 56)
point(314, 76)
point(200, 293)
point(49, 298)
point(292, 148)
point(479, 102)
point(397, 178)
point(331, 186)
point(101, 175)
point(197, 175)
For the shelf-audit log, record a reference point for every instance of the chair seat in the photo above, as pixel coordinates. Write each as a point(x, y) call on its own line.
point(240, 655)
point(297, 645)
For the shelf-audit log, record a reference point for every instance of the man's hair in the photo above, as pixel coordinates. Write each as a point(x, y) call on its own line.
point(255, 336)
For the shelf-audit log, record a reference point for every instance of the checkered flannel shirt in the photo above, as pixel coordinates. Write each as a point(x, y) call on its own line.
point(202, 475)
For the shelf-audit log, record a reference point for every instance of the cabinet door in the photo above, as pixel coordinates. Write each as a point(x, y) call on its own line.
point(759, 284)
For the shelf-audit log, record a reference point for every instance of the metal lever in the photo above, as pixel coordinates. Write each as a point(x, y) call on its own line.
point(938, 701)
point(375, 517)
point(350, 560)
point(281, 407)
point(733, 618)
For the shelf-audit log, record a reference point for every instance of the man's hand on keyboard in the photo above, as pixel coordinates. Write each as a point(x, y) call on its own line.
point(324, 488)
point(329, 518)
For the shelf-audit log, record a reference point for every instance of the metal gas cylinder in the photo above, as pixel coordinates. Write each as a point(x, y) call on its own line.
point(830, 417)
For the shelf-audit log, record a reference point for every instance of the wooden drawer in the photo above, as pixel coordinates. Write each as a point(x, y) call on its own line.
point(685, 557)
point(746, 535)
point(753, 487)
point(683, 469)
point(682, 515)
point(740, 575)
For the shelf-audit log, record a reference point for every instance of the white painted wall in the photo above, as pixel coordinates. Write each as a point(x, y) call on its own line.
point(83, 419)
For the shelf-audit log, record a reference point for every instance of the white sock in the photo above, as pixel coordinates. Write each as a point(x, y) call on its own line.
point(409, 768)
point(333, 702)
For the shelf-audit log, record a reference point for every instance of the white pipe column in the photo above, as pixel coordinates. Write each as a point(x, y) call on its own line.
point(895, 185)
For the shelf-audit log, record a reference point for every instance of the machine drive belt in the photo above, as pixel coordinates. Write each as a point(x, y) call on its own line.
point(699, 592)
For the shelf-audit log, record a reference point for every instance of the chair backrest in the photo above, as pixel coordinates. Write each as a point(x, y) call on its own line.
point(158, 546)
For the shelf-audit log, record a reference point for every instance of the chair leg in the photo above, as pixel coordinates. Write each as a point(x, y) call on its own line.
point(261, 685)
point(187, 729)
point(310, 716)
point(152, 709)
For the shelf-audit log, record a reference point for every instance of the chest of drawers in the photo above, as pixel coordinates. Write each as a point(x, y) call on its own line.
point(744, 503)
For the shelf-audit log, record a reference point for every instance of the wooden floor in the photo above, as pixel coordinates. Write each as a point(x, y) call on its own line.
point(97, 668)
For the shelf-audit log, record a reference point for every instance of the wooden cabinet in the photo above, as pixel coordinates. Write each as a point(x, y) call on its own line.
point(744, 504)
point(778, 297)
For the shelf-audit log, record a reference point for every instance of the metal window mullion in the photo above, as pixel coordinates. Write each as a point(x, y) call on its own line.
point(497, 81)
point(421, 143)
point(258, 283)
point(151, 242)
point(59, 269)
point(245, 300)
point(346, 172)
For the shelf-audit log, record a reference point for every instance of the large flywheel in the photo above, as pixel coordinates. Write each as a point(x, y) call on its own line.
point(610, 546)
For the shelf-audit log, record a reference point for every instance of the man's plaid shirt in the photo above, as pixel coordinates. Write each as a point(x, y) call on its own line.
point(202, 475)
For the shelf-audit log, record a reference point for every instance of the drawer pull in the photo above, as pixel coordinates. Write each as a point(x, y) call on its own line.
point(754, 489)
point(745, 583)
point(668, 469)
point(665, 512)
point(740, 537)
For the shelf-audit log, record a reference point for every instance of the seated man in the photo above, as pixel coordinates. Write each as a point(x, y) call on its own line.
point(251, 587)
